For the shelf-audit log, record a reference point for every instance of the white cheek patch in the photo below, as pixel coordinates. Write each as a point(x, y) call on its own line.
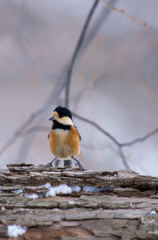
point(65, 121)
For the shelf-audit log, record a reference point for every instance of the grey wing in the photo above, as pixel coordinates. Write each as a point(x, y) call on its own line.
point(78, 132)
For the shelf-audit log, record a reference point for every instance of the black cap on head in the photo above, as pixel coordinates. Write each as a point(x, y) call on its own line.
point(63, 112)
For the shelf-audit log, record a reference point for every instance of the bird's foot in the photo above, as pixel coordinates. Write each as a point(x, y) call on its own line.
point(81, 167)
point(51, 163)
point(79, 164)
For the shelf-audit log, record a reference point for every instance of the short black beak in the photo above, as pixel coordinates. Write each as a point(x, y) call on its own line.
point(52, 118)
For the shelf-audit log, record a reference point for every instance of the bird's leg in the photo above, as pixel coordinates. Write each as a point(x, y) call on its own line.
point(79, 164)
point(51, 163)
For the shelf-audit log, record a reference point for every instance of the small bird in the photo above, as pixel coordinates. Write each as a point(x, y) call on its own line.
point(64, 138)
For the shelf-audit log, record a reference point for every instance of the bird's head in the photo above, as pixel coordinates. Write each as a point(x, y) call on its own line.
point(62, 115)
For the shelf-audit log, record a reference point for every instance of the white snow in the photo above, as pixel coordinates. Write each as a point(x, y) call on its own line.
point(153, 212)
point(16, 230)
point(3, 208)
point(90, 189)
point(63, 188)
point(34, 196)
point(47, 185)
point(18, 191)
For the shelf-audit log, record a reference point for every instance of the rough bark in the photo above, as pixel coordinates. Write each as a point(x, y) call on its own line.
point(123, 206)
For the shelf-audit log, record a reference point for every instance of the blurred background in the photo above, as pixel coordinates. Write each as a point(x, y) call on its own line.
point(114, 81)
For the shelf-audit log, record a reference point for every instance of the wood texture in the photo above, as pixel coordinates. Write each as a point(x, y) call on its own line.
point(124, 205)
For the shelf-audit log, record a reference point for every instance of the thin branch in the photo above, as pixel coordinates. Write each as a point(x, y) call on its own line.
point(124, 13)
point(35, 129)
point(12, 140)
point(75, 54)
point(123, 158)
point(77, 49)
point(40, 111)
point(84, 92)
point(49, 102)
point(21, 131)
point(120, 145)
point(137, 140)
point(98, 127)
point(103, 14)
point(29, 121)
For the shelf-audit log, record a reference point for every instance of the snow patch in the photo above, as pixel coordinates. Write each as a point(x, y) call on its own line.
point(34, 196)
point(18, 191)
point(16, 230)
point(63, 188)
point(47, 185)
point(153, 212)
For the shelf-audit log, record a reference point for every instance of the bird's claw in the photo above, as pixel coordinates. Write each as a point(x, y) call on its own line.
point(49, 165)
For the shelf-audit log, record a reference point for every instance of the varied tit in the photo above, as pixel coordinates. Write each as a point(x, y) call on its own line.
point(64, 138)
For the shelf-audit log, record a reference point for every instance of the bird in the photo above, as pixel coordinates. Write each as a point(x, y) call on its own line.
point(64, 138)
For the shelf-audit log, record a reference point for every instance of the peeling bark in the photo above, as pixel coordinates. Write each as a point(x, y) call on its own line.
point(123, 206)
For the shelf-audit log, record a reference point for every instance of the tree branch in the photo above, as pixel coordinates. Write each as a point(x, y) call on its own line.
point(124, 13)
point(138, 140)
point(124, 161)
point(120, 145)
point(97, 126)
point(21, 131)
point(22, 128)
point(77, 49)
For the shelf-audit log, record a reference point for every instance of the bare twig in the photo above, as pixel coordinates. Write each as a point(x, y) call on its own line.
point(124, 13)
point(40, 111)
point(35, 129)
point(22, 130)
point(78, 46)
point(30, 120)
point(98, 127)
point(104, 13)
point(123, 158)
point(84, 92)
point(22, 134)
point(120, 145)
point(75, 54)
point(108, 135)
point(138, 140)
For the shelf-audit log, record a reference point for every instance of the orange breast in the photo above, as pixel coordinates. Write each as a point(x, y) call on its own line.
point(64, 144)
